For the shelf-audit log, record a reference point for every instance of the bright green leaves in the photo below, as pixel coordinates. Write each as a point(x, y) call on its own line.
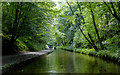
point(33, 22)
point(105, 22)
point(45, 24)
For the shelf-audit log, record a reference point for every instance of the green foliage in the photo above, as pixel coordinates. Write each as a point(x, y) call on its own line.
point(102, 53)
point(22, 45)
point(28, 25)
point(106, 23)
point(113, 43)
point(86, 51)
point(32, 26)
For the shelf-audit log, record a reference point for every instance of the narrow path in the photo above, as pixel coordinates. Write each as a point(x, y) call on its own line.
point(20, 58)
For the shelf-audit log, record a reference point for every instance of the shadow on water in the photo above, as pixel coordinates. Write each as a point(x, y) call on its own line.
point(61, 61)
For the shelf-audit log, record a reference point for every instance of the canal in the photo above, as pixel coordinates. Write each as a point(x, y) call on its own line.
point(61, 61)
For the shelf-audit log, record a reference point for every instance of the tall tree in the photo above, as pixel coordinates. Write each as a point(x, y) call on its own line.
point(92, 44)
point(96, 27)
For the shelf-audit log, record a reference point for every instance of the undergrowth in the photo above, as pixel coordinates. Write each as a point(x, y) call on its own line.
point(108, 54)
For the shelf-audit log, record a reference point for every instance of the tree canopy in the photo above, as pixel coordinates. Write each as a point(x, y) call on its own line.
point(32, 26)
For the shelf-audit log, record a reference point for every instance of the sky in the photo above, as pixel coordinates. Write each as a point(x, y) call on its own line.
point(57, 4)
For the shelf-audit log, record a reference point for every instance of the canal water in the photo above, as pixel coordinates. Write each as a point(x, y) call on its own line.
point(61, 61)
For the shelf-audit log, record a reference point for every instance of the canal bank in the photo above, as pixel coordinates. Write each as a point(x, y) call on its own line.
point(14, 62)
point(104, 54)
point(61, 61)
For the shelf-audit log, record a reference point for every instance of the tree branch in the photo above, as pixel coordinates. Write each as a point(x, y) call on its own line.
point(70, 7)
point(96, 27)
point(114, 14)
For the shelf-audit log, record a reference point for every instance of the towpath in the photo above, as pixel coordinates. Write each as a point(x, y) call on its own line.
point(11, 60)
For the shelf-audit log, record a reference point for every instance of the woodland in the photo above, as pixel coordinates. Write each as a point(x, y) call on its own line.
point(85, 27)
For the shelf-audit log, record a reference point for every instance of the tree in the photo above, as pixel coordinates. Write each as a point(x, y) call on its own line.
point(114, 13)
point(96, 28)
point(81, 18)
point(27, 22)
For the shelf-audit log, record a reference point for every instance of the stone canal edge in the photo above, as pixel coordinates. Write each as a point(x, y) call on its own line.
point(13, 62)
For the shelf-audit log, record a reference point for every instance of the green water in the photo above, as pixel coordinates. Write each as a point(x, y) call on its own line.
point(61, 61)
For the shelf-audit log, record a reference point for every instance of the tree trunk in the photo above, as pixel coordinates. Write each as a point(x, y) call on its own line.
point(92, 41)
point(96, 28)
point(14, 25)
point(81, 29)
point(87, 39)
point(70, 7)
point(115, 13)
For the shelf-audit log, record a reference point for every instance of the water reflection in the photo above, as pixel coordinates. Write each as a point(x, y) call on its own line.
point(61, 61)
